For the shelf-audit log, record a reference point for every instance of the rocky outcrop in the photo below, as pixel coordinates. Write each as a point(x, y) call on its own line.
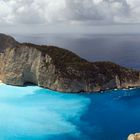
point(134, 136)
point(59, 69)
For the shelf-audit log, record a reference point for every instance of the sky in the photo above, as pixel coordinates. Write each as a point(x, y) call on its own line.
point(97, 16)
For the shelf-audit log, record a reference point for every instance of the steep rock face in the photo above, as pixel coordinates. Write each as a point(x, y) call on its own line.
point(6, 42)
point(59, 69)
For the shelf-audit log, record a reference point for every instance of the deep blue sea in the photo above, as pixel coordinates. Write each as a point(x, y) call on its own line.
point(34, 113)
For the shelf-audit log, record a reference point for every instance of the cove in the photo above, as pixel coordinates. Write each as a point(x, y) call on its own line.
point(34, 113)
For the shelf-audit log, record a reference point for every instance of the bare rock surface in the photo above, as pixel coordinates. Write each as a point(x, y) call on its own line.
point(135, 136)
point(59, 69)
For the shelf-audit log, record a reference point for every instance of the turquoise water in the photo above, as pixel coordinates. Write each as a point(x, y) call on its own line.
point(33, 113)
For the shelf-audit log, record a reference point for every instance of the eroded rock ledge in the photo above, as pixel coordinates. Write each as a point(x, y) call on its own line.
point(135, 136)
point(59, 69)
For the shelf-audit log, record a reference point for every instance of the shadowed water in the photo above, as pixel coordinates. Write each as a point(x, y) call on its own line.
point(33, 113)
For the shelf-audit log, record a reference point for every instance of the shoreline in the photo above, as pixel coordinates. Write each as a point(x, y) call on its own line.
point(94, 92)
point(1, 83)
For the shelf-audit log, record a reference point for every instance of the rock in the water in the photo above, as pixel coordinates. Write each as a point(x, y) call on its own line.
point(134, 136)
point(59, 69)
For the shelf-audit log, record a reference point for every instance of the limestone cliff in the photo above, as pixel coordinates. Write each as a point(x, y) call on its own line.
point(59, 69)
point(135, 136)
